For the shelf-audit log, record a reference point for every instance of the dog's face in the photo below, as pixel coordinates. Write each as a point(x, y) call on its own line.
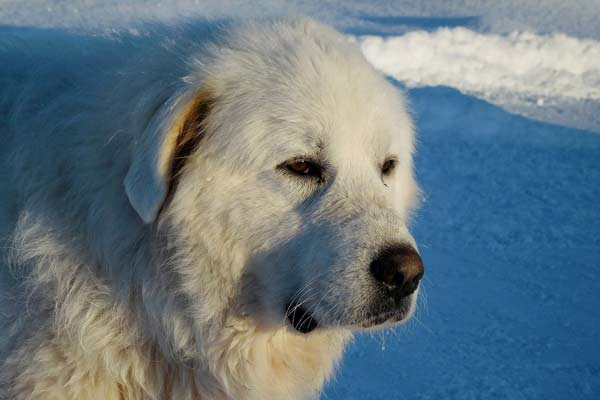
point(300, 186)
point(330, 197)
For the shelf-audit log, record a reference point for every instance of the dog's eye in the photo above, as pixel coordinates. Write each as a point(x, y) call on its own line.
point(388, 166)
point(304, 168)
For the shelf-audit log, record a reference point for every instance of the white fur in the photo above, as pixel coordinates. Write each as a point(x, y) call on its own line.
point(119, 289)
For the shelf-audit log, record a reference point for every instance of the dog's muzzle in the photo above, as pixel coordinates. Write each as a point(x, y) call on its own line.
point(396, 273)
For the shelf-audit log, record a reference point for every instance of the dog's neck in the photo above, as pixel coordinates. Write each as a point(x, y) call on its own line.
point(106, 362)
point(279, 364)
point(105, 355)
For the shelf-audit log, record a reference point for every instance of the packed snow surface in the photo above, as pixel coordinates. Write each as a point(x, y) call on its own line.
point(509, 228)
point(510, 235)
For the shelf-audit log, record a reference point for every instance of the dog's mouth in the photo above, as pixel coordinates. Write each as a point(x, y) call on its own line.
point(388, 318)
point(388, 315)
point(382, 315)
point(301, 319)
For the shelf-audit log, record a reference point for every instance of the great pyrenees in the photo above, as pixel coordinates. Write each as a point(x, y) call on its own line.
point(201, 212)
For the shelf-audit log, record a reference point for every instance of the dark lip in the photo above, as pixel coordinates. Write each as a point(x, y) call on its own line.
point(381, 319)
point(301, 319)
point(387, 313)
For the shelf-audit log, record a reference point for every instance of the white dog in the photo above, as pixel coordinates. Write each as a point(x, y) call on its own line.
point(205, 212)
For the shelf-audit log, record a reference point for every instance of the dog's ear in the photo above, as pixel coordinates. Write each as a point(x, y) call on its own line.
point(159, 156)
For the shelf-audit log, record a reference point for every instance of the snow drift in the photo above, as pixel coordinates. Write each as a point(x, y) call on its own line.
point(516, 71)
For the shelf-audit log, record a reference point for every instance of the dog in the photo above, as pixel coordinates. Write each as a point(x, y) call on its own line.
point(200, 212)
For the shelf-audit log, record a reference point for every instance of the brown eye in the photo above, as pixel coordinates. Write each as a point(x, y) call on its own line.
point(304, 168)
point(388, 166)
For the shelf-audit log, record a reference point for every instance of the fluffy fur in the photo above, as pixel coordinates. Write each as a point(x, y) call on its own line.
point(151, 238)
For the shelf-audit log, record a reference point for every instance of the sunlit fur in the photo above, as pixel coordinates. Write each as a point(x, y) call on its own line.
point(121, 281)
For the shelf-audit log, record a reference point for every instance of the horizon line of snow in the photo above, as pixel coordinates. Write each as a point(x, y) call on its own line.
point(555, 66)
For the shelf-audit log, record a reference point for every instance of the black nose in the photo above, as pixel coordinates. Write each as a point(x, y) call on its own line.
point(399, 268)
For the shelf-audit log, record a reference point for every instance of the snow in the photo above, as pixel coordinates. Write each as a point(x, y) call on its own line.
point(509, 233)
point(541, 60)
point(521, 70)
point(510, 224)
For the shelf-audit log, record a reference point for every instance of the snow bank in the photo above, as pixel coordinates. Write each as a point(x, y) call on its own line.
point(477, 63)
point(552, 77)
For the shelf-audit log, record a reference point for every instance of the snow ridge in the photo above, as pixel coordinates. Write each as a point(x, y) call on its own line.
point(521, 63)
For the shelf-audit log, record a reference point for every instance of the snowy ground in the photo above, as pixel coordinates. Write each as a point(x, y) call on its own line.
point(510, 227)
point(510, 237)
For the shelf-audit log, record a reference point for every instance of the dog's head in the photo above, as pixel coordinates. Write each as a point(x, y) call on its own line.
point(286, 174)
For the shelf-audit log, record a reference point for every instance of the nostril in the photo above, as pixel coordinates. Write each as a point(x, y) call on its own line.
point(400, 268)
point(418, 278)
point(410, 287)
point(385, 270)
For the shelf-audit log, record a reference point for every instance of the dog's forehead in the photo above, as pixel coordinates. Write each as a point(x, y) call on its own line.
point(340, 125)
point(299, 92)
